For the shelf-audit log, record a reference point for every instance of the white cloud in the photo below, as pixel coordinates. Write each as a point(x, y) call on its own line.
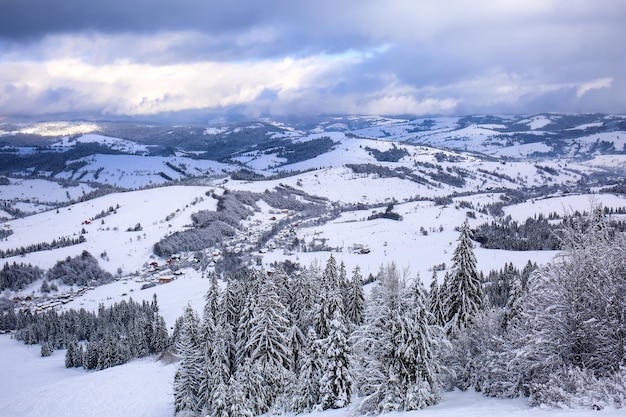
point(144, 89)
point(593, 85)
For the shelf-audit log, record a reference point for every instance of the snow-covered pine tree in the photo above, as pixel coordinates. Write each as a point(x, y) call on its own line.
point(220, 400)
point(344, 286)
point(218, 372)
point(372, 341)
point(512, 310)
point(231, 303)
point(413, 381)
point(281, 283)
point(229, 311)
point(330, 298)
point(45, 349)
point(186, 380)
point(212, 298)
point(355, 305)
point(575, 306)
point(435, 304)
point(463, 295)
point(159, 338)
point(307, 391)
point(249, 295)
point(91, 354)
point(208, 329)
point(304, 288)
point(106, 352)
point(140, 331)
point(420, 350)
point(336, 380)
point(330, 278)
point(268, 343)
point(71, 355)
point(250, 392)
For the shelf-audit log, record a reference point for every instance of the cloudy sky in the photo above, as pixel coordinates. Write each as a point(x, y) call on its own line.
point(148, 59)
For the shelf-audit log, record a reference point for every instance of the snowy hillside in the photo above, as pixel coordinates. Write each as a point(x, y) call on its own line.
point(142, 388)
point(161, 207)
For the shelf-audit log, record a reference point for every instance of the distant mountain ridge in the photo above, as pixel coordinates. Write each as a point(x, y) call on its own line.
point(424, 150)
point(484, 133)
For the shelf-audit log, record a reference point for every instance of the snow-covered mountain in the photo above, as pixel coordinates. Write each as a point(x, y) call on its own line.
point(307, 187)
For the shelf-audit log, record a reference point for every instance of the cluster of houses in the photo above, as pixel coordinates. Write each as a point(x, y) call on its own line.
point(41, 304)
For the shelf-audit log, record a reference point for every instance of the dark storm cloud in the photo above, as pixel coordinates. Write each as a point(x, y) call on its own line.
point(35, 18)
point(296, 27)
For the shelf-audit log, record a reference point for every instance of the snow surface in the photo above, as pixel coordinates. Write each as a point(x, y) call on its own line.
point(115, 143)
point(32, 386)
point(53, 129)
point(126, 250)
point(35, 386)
point(136, 171)
point(536, 122)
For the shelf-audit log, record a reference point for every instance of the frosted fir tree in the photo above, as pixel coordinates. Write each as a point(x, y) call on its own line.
point(330, 278)
point(244, 327)
point(158, 338)
point(218, 373)
point(512, 310)
point(419, 352)
point(281, 283)
point(355, 305)
point(297, 344)
point(212, 298)
point(397, 348)
point(187, 378)
point(209, 340)
point(106, 352)
point(463, 297)
point(344, 286)
point(304, 296)
point(251, 395)
point(371, 344)
point(268, 342)
point(231, 303)
point(74, 355)
point(335, 381)
point(574, 308)
point(435, 304)
point(307, 392)
point(413, 370)
point(330, 298)
point(220, 401)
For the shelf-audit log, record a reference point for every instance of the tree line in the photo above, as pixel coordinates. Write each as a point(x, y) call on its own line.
point(311, 340)
point(81, 270)
point(110, 337)
point(61, 242)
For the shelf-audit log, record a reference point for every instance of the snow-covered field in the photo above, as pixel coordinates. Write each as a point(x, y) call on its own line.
point(426, 236)
point(35, 386)
point(32, 386)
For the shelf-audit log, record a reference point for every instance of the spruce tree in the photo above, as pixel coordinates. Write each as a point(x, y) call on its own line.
point(303, 301)
point(70, 354)
point(355, 305)
point(307, 392)
point(186, 380)
point(268, 346)
point(463, 297)
point(336, 380)
point(435, 304)
point(268, 342)
point(330, 298)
